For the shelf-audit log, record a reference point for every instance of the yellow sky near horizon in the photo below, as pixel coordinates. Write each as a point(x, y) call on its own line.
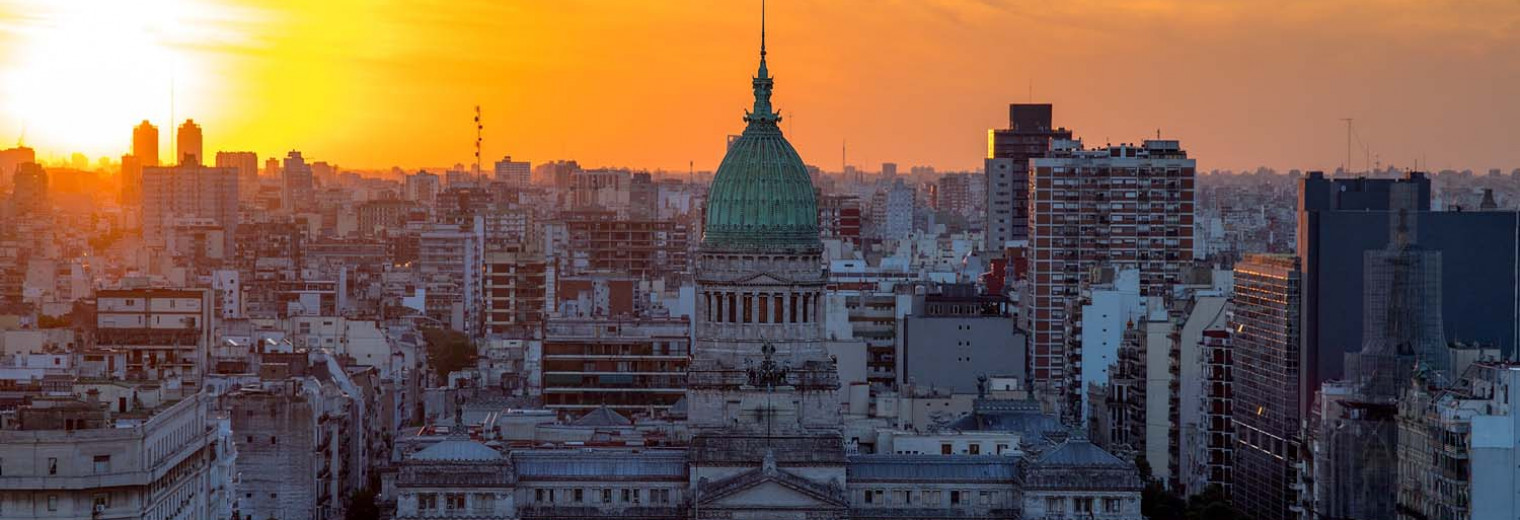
point(659, 84)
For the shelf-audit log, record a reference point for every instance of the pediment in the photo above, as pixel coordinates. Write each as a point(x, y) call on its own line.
point(761, 279)
point(769, 494)
point(770, 489)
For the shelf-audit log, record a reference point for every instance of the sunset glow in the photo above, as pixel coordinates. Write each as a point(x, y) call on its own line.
point(1247, 84)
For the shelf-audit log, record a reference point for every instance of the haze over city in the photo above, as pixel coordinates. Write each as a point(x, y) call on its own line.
point(750, 260)
point(368, 85)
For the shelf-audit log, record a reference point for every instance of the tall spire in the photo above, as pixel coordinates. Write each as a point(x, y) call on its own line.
point(762, 112)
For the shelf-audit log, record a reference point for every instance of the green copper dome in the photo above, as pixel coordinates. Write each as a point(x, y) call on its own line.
point(762, 195)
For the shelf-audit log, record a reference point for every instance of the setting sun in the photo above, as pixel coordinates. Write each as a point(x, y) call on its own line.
point(78, 72)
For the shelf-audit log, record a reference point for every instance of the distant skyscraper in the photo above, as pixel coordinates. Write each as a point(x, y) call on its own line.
point(1009, 150)
point(11, 158)
point(131, 181)
point(892, 210)
point(272, 168)
point(888, 170)
point(514, 173)
point(189, 143)
point(324, 174)
point(30, 193)
point(1269, 388)
point(296, 191)
point(145, 144)
point(247, 166)
point(1125, 207)
point(170, 193)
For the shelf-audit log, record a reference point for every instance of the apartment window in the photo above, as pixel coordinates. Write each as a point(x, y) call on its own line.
point(1055, 505)
point(52, 502)
point(974, 449)
point(607, 496)
point(580, 495)
point(454, 501)
point(1082, 505)
point(538, 495)
point(946, 449)
point(1112, 505)
point(955, 498)
point(485, 502)
point(102, 502)
point(102, 463)
point(427, 501)
point(52, 466)
point(984, 498)
point(627, 495)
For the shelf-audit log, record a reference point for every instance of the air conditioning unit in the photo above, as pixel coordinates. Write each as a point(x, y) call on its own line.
point(100, 508)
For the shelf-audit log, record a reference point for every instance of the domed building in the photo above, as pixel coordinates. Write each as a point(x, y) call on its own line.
point(761, 387)
point(762, 400)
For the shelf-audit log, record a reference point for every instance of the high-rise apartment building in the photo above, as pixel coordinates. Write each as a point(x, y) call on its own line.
point(953, 194)
point(247, 166)
point(839, 218)
point(1124, 207)
point(145, 143)
point(29, 195)
point(599, 242)
point(517, 288)
point(144, 154)
point(448, 267)
point(172, 193)
point(296, 190)
point(518, 174)
point(1009, 150)
point(892, 210)
point(627, 365)
point(10, 158)
point(188, 141)
point(1214, 464)
point(1269, 386)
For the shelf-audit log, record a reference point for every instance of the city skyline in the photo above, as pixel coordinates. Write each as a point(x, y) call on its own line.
point(1244, 86)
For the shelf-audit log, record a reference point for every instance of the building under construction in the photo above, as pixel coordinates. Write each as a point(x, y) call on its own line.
point(1356, 425)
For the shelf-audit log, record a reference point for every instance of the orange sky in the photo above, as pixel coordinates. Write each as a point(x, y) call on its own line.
point(376, 83)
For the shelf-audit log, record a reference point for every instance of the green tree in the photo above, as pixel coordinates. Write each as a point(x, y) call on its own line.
point(363, 504)
point(1212, 504)
point(448, 351)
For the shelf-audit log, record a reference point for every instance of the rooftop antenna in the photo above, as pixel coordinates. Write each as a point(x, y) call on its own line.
point(21, 141)
point(173, 130)
point(1348, 144)
point(478, 127)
